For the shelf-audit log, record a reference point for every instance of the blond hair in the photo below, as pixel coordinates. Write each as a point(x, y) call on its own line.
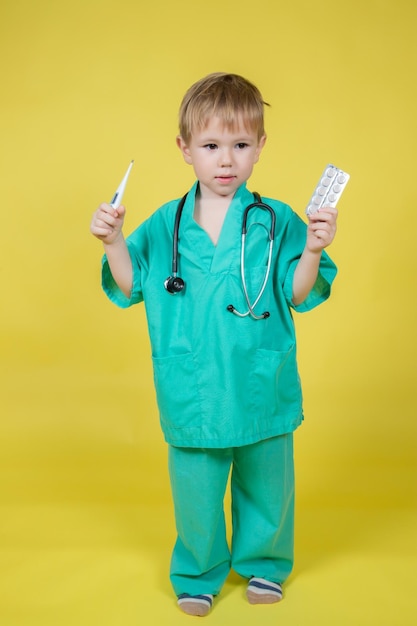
point(228, 96)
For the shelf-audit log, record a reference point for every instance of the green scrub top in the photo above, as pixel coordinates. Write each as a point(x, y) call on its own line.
point(221, 381)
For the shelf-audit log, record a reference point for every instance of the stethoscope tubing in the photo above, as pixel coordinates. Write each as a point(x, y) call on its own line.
point(175, 236)
point(271, 235)
point(251, 306)
point(261, 205)
point(174, 284)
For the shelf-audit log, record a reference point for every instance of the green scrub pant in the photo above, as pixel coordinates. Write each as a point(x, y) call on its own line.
point(262, 492)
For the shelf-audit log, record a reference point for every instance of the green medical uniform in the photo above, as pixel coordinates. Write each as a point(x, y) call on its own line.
point(222, 382)
point(262, 490)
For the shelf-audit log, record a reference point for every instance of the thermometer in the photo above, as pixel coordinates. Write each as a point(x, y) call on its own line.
point(117, 198)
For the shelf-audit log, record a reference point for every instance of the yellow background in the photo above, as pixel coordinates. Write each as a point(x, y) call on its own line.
point(86, 522)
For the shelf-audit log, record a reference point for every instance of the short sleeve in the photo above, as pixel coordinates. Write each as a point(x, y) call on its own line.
point(112, 290)
point(321, 289)
point(293, 244)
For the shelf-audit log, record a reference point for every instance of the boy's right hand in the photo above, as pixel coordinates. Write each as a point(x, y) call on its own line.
point(107, 223)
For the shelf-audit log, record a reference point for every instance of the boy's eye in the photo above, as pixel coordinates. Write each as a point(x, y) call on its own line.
point(210, 146)
point(241, 145)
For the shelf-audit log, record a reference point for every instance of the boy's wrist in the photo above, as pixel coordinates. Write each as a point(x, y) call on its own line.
point(117, 241)
point(313, 253)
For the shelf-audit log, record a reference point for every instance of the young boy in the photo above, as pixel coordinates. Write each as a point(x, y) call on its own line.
point(223, 345)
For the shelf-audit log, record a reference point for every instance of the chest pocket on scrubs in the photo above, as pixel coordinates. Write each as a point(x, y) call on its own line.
point(254, 278)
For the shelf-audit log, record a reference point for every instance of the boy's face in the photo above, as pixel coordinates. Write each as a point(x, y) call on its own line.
point(222, 159)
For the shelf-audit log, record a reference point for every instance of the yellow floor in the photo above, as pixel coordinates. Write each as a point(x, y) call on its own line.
point(86, 522)
point(86, 565)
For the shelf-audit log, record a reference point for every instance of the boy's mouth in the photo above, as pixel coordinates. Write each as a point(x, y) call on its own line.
point(225, 179)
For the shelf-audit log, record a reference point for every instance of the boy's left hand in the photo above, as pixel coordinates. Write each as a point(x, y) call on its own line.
point(321, 229)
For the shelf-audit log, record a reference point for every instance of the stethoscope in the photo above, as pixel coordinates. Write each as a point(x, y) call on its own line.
point(174, 284)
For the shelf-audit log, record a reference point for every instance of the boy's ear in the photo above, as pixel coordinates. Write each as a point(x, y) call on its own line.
point(260, 146)
point(184, 149)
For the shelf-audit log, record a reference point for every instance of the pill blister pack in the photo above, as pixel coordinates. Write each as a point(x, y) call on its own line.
point(329, 189)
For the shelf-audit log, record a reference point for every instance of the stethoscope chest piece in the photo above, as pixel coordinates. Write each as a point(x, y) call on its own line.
point(174, 284)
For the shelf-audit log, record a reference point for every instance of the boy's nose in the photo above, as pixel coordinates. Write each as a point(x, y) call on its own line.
point(225, 158)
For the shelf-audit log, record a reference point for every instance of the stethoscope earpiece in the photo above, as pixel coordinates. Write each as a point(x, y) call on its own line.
point(174, 284)
point(232, 309)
